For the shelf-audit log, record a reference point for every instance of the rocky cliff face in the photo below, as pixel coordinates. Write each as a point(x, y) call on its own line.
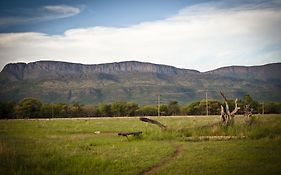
point(61, 82)
point(14, 71)
point(55, 69)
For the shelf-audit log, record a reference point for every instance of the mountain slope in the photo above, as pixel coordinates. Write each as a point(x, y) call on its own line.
point(269, 72)
point(53, 81)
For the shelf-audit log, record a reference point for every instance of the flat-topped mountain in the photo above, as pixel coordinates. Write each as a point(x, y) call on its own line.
point(264, 72)
point(54, 81)
point(55, 69)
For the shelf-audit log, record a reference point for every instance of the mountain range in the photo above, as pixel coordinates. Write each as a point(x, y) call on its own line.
point(63, 82)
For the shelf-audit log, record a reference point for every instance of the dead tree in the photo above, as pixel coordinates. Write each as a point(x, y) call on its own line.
point(248, 112)
point(226, 115)
point(144, 119)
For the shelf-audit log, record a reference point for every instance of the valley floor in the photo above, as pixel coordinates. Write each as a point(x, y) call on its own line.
point(90, 146)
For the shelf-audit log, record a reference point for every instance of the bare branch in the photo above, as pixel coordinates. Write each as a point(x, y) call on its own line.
point(226, 104)
point(235, 109)
point(222, 114)
point(225, 100)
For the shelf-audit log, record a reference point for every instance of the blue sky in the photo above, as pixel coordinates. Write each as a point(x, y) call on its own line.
point(109, 13)
point(200, 35)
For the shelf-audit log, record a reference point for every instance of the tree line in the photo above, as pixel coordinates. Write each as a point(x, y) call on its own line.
point(34, 108)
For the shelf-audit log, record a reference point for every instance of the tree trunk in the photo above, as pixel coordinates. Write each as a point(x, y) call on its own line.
point(226, 115)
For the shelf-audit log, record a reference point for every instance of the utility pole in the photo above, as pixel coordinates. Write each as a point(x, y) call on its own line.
point(207, 111)
point(158, 99)
point(52, 110)
point(262, 108)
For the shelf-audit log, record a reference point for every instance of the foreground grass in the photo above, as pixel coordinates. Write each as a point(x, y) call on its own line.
point(73, 147)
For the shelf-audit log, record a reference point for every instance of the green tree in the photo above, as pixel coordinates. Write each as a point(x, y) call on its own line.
point(272, 108)
point(61, 110)
point(104, 110)
point(193, 109)
point(131, 109)
point(173, 108)
point(199, 108)
point(164, 110)
point(46, 110)
point(91, 111)
point(118, 109)
point(76, 110)
point(214, 107)
point(248, 100)
point(147, 111)
point(29, 108)
point(7, 110)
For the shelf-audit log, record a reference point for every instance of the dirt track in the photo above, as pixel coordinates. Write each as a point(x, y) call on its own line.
point(178, 151)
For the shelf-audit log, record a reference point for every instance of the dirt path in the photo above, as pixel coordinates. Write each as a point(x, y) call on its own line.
point(178, 151)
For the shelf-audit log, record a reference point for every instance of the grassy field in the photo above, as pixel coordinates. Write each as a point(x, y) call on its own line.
point(75, 147)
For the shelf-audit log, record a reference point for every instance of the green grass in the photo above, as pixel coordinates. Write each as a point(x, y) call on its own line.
point(72, 146)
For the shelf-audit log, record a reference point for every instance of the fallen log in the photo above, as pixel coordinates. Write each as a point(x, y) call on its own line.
point(126, 134)
point(214, 138)
point(144, 119)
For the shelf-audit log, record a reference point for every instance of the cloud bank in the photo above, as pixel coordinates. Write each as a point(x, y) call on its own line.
point(202, 37)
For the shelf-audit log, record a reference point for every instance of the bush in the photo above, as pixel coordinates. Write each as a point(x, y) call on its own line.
point(29, 108)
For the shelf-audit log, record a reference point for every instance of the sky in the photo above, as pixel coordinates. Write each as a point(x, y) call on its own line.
point(201, 35)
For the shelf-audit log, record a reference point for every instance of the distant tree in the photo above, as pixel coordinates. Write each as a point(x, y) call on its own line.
point(29, 108)
point(272, 108)
point(194, 109)
point(118, 109)
point(147, 111)
point(76, 110)
point(199, 108)
point(214, 107)
point(7, 110)
point(248, 100)
point(104, 110)
point(173, 108)
point(61, 110)
point(164, 110)
point(46, 111)
point(131, 109)
point(91, 111)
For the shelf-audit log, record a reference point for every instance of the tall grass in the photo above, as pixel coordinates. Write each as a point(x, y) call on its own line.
point(74, 147)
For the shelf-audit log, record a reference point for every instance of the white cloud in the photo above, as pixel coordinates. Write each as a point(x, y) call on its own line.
point(61, 10)
point(45, 13)
point(201, 37)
